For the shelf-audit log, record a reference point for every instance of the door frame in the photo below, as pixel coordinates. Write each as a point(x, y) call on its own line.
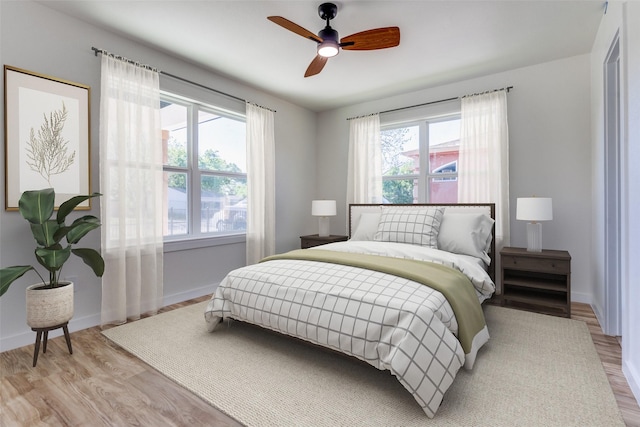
point(612, 191)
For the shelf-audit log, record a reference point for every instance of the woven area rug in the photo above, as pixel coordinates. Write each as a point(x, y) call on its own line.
point(536, 370)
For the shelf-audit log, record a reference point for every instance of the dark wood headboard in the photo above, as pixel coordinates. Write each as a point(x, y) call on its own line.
point(355, 210)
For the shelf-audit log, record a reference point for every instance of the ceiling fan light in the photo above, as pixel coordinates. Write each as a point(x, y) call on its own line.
point(328, 48)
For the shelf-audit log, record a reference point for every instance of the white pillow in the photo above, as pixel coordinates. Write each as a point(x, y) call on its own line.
point(466, 234)
point(413, 226)
point(367, 226)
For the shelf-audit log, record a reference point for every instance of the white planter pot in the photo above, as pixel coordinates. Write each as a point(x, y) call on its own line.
point(49, 307)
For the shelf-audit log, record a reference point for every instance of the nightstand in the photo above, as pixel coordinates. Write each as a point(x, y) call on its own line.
point(315, 240)
point(537, 281)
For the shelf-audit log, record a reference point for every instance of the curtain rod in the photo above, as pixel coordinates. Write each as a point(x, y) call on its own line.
point(173, 76)
point(508, 88)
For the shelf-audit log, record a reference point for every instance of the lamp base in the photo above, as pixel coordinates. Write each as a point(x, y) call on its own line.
point(534, 237)
point(323, 226)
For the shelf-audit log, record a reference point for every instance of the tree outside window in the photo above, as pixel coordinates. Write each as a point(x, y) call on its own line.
point(407, 176)
point(213, 194)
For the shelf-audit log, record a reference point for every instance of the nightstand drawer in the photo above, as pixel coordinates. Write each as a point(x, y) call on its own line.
point(536, 264)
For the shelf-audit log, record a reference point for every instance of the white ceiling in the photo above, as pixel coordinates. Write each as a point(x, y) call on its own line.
point(441, 41)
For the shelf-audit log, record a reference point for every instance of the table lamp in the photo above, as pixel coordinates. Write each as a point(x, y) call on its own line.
point(534, 210)
point(323, 209)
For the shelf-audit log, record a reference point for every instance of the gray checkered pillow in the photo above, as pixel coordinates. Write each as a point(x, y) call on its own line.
point(414, 226)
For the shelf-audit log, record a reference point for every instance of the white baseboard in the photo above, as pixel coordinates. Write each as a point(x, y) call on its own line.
point(587, 299)
point(78, 323)
point(581, 297)
point(29, 337)
point(597, 310)
point(190, 294)
point(633, 379)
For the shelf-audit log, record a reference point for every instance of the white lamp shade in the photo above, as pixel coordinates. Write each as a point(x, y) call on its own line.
point(534, 209)
point(323, 207)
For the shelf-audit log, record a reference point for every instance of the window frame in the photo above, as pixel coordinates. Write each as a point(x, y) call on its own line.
point(195, 238)
point(425, 176)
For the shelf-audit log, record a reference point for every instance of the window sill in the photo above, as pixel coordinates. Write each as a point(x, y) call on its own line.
point(204, 242)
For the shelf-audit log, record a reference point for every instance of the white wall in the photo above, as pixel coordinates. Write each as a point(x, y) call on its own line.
point(631, 275)
point(621, 18)
point(549, 133)
point(36, 38)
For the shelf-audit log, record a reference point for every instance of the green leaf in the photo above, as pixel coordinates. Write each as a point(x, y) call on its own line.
point(54, 257)
point(80, 227)
point(92, 258)
point(10, 274)
point(45, 233)
point(67, 207)
point(37, 206)
point(60, 232)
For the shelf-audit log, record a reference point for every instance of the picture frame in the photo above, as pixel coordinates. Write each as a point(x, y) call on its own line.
point(47, 136)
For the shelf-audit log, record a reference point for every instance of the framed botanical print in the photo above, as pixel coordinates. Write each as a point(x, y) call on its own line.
point(47, 141)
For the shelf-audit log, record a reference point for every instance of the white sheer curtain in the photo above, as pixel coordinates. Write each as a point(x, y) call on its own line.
point(483, 165)
point(261, 208)
point(131, 181)
point(364, 173)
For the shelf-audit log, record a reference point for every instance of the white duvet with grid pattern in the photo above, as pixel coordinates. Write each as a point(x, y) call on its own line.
point(390, 322)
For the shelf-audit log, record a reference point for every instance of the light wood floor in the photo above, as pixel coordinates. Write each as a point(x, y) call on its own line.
point(100, 384)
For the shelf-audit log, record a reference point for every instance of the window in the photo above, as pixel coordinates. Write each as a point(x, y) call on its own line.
point(420, 161)
point(205, 172)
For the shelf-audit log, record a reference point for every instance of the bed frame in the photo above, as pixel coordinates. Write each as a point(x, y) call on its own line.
point(355, 210)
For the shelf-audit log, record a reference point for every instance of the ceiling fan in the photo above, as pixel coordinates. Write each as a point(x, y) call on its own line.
point(327, 39)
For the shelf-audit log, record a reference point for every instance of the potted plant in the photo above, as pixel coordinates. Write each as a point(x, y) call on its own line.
point(50, 302)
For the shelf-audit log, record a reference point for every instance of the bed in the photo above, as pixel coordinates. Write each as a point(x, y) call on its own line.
point(403, 294)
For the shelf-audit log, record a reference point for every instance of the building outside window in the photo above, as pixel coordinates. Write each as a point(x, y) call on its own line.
point(205, 172)
point(420, 160)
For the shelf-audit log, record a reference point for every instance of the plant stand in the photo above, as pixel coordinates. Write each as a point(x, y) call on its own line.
point(45, 338)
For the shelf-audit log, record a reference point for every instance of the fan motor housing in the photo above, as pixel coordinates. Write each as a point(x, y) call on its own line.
point(328, 33)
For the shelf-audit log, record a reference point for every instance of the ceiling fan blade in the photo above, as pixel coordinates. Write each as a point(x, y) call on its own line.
point(291, 26)
point(316, 66)
point(379, 38)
